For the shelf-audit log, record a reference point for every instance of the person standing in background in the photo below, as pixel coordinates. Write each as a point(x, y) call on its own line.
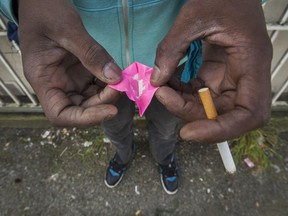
point(66, 44)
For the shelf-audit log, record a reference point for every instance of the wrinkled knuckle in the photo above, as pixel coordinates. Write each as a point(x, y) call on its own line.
point(162, 48)
point(54, 120)
point(29, 69)
point(92, 54)
point(172, 49)
point(52, 116)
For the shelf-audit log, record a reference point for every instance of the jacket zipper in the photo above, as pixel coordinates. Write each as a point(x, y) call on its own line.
point(125, 17)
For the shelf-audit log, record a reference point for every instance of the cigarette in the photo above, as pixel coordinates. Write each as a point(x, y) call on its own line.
point(211, 113)
point(208, 104)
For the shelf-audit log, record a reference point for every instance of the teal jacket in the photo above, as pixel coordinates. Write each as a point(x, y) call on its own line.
point(129, 30)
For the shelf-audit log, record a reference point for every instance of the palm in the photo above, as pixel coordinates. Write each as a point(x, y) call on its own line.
point(218, 74)
point(72, 79)
point(66, 89)
point(60, 61)
point(237, 89)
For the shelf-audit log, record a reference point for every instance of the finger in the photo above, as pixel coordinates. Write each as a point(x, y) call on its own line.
point(175, 82)
point(106, 96)
point(188, 106)
point(175, 45)
point(177, 85)
point(227, 126)
point(168, 55)
point(61, 27)
point(91, 54)
point(240, 111)
point(83, 117)
point(185, 106)
point(61, 111)
point(199, 20)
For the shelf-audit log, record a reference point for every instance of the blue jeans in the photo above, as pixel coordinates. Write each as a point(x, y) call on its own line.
point(162, 128)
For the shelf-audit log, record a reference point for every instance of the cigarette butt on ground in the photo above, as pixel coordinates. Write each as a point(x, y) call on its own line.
point(211, 113)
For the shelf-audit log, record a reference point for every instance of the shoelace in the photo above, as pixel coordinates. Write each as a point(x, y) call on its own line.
point(115, 166)
point(169, 170)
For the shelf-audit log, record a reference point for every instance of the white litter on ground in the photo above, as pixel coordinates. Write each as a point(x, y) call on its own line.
point(106, 140)
point(136, 190)
point(53, 177)
point(45, 134)
point(63, 151)
point(87, 143)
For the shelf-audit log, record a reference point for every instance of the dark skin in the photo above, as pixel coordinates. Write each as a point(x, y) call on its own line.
point(236, 60)
point(61, 61)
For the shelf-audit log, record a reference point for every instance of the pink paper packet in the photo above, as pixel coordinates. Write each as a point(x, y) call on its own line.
point(136, 83)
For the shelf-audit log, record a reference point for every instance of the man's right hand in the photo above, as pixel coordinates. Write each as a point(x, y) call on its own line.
point(236, 63)
point(61, 61)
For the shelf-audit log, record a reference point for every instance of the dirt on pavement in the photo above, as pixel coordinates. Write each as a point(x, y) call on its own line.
point(59, 171)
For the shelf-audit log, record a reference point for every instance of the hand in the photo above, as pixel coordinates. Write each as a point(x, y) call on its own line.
point(61, 61)
point(236, 60)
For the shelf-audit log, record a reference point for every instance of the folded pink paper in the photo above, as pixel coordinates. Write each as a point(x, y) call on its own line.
point(136, 83)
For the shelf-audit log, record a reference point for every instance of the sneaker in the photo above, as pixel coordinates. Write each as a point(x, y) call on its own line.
point(169, 176)
point(114, 172)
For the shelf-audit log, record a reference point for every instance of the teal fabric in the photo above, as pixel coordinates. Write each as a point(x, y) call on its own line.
point(6, 10)
point(193, 62)
point(148, 23)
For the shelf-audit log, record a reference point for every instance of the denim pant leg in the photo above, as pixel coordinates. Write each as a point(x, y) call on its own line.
point(119, 129)
point(163, 131)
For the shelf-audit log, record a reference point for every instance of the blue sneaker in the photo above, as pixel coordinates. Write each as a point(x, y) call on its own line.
point(114, 172)
point(169, 176)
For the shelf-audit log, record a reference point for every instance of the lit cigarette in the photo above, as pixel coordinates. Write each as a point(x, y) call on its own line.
point(211, 113)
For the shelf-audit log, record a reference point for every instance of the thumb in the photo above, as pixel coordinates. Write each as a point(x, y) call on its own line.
point(92, 55)
point(174, 46)
point(168, 55)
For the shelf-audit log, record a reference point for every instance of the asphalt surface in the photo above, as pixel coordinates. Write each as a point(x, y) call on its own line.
point(59, 171)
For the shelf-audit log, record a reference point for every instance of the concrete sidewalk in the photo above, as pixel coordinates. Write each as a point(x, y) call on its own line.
point(50, 171)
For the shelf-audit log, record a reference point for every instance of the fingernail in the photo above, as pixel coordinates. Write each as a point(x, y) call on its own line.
point(155, 75)
point(161, 100)
point(112, 72)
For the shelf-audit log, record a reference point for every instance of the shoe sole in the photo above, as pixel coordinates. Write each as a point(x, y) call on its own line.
point(112, 186)
point(168, 192)
point(128, 164)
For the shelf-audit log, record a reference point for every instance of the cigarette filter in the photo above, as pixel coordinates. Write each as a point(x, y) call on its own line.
point(211, 113)
point(207, 102)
